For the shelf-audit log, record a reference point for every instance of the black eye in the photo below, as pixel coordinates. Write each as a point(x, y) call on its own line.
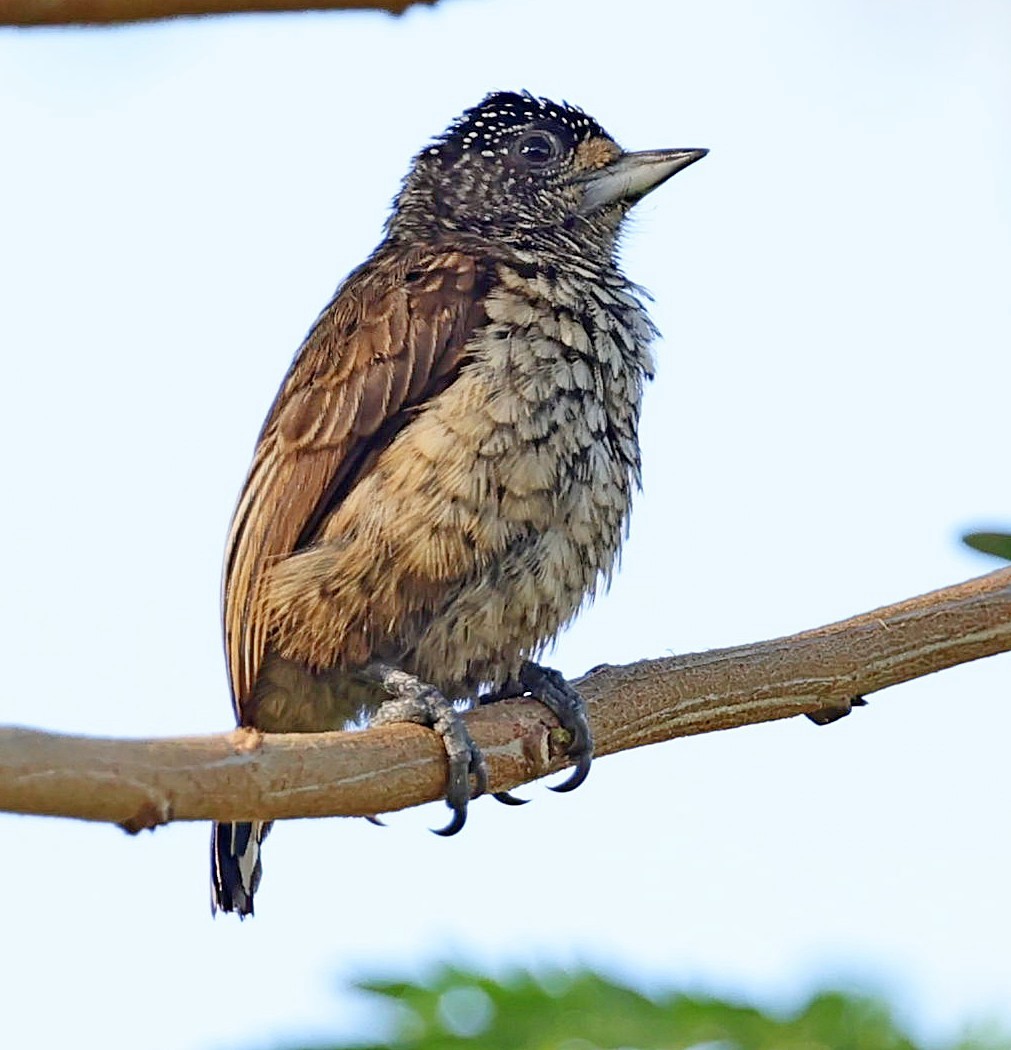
point(538, 148)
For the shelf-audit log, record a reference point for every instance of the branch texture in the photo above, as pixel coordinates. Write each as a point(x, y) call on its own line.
point(84, 12)
point(246, 775)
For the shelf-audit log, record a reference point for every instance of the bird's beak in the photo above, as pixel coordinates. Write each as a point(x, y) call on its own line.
point(633, 175)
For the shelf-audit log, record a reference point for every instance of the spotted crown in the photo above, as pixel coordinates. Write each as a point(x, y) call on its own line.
point(488, 127)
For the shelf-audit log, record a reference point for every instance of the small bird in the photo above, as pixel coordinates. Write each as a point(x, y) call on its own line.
point(445, 475)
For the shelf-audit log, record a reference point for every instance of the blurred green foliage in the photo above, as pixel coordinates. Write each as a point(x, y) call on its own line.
point(455, 1010)
point(996, 543)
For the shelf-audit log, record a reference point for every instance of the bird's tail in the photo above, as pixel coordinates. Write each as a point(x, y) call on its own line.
point(235, 866)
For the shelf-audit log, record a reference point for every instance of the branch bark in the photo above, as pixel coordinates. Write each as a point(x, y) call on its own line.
point(245, 775)
point(89, 12)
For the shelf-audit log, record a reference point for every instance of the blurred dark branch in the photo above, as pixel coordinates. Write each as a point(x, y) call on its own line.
point(84, 12)
point(244, 775)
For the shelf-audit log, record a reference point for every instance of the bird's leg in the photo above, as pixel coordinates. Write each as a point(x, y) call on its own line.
point(416, 701)
point(569, 708)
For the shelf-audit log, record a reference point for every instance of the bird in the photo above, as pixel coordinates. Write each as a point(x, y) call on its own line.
point(445, 476)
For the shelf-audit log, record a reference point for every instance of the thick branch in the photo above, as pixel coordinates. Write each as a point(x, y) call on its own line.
point(139, 783)
point(82, 12)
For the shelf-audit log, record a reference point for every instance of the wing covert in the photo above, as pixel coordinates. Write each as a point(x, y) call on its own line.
point(393, 336)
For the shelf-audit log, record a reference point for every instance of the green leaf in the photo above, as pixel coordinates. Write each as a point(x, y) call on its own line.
point(997, 543)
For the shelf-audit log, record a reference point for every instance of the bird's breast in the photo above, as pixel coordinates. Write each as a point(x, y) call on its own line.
point(534, 455)
point(495, 512)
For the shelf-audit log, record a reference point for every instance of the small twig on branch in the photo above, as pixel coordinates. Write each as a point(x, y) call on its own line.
point(91, 12)
point(244, 775)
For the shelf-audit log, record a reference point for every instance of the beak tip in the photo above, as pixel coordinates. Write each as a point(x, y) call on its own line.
point(633, 175)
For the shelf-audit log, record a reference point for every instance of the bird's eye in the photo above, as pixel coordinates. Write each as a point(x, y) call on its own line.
point(537, 148)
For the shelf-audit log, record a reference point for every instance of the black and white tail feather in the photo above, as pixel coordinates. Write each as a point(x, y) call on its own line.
point(235, 866)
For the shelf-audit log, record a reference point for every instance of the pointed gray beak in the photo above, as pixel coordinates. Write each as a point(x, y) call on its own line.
point(633, 175)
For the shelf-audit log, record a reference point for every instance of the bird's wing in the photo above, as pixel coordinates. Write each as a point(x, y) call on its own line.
point(393, 336)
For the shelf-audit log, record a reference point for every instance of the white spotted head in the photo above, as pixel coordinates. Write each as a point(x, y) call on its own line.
point(520, 130)
point(519, 170)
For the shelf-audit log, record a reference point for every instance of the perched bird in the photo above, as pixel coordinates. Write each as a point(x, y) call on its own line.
point(445, 475)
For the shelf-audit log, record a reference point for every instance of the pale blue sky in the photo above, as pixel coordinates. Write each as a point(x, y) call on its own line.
point(831, 409)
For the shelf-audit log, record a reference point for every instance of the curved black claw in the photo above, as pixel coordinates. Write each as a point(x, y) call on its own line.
point(375, 820)
point(508, 799)
point(569, 708)
point(416, 701)
point(455, 825)
point(579, 774)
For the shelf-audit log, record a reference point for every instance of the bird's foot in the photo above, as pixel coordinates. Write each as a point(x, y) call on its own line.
point(416, 701)
point(550, 687)
point(569, 708)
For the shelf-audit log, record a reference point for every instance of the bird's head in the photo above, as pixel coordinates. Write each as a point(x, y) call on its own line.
point(515, 168)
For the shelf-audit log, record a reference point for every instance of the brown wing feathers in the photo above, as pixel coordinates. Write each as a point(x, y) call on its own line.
point(350, 389)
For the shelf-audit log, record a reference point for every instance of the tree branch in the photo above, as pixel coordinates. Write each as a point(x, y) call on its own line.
point(245, 775)
point(84, 12)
